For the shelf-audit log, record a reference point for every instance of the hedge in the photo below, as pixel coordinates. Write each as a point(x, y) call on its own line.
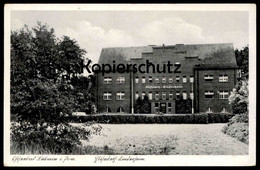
point(146, 118)
point(219, 117)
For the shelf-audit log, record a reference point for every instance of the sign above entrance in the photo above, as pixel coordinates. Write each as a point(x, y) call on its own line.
point(163, 87)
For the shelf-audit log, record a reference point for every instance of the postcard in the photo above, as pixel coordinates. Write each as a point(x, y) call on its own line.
point(130, 85)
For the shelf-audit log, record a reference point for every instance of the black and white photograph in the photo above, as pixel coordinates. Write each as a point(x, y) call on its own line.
point(130, 85)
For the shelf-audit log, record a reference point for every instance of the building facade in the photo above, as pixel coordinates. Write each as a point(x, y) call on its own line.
point(202, 73)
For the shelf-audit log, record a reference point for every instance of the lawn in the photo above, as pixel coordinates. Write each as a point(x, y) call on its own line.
point(169, 139)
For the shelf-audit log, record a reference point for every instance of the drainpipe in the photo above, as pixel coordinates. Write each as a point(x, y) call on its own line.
point(132, 91)
point(192, 100)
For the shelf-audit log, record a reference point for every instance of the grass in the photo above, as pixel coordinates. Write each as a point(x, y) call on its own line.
point(82, 150)
point(167, 139)
point(144, 139)
point(36, 149)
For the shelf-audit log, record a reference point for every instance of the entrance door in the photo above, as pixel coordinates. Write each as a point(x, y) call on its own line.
point(163, 107)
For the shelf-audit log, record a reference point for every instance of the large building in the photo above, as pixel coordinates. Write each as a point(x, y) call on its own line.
point(204, 73)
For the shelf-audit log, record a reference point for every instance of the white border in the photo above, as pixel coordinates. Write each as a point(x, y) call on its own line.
point(172, 160)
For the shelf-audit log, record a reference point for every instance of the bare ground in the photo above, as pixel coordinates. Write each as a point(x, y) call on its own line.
point(172, 139)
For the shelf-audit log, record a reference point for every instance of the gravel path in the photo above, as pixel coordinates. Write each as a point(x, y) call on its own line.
point(172, 139)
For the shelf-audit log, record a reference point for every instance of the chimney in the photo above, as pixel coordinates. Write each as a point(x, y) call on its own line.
point(163, 46)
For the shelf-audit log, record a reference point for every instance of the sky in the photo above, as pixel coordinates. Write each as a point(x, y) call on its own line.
point(94, 30)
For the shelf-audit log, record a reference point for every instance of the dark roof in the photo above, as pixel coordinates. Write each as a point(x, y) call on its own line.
point(221, 54)
point(214, 66)
point(122, 53)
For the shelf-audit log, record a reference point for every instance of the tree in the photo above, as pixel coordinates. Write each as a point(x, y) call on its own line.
point(242, 60)
point(46, 52)
point(85, 92)
point(143, 105)
point(138, 105)
point(239, 98)
point(72, 56)
point(183, 106)
point(40, 100)
point(146, 106)
point(35, 68)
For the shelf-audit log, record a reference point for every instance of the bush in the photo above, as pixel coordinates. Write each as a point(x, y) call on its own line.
point(201, 118)
point(142, 105)
point(56, 139)
point(183, 106)
point(239, 118)
point(239, 107)
point(219, 117)
point(143, 118)
point(239, 131)
point(238, 127)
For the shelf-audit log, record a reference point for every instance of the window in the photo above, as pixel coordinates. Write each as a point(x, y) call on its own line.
point(107, 95)
point(120, 80)
point(223, 78)
point(208, 77)
point(157, 80)
point(107, 80)
point(136, 79)
point(156, 106)
point(177, 78)
point(223, 95)
point(191, 79)
point(223, 110)
point(157, 95)
point(177, 95)
point(150, 95)
point(120, 95)
point(143, 94)
point(108, 110)
point(209, 110)
point(143, 79)
point(169, 107)
point(163, 79)
point(191, 95)
point(136, 95)
point(164, 95)
point(184, 79)
point(184, 95)
point(171, 95)
point(209, 94)
point(120, 110)
point(170, 80)
point(150, 79)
